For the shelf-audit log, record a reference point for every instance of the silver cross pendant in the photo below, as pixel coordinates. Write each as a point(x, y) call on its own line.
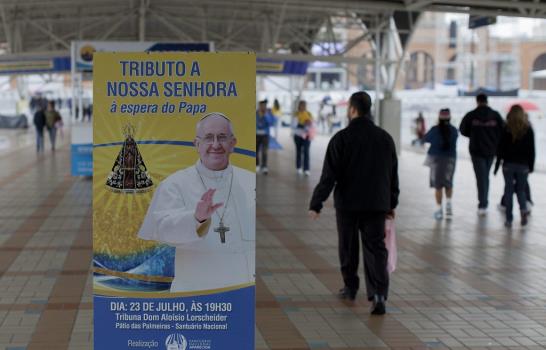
point(221, 229)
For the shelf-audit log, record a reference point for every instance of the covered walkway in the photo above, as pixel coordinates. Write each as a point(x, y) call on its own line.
point(465, 284)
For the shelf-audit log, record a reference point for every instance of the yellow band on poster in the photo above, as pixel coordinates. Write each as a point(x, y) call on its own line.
point(105, 291)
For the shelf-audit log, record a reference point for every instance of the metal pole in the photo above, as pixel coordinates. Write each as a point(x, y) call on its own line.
point(73, 79)
point(377, 72)
point(142, 21)
point(80, 95)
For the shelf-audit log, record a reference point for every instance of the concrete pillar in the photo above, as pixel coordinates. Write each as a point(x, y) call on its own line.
point(390, 119)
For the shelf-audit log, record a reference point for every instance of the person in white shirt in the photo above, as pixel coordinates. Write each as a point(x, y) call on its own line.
point(207, 211)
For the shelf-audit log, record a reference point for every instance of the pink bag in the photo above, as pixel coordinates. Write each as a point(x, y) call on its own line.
point(390, 243)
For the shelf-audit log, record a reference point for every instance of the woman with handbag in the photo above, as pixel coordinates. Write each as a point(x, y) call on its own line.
point(517, 152)
point(53, 121)
point(303, 134)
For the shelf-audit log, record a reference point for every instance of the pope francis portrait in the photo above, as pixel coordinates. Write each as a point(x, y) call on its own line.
point(207, 211)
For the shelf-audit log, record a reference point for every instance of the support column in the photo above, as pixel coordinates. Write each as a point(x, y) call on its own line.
point(389, 108)
point(7, 29)
point(391, 118)
point(142, 20)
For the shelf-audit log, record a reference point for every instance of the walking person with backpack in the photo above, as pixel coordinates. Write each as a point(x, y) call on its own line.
point(442, 157)
point(484, 127)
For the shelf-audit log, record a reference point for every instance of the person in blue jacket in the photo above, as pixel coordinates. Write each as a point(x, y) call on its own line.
point(264, 120)
point(441, 157)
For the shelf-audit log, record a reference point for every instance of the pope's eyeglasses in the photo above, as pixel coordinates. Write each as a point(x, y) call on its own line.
point(220, 138)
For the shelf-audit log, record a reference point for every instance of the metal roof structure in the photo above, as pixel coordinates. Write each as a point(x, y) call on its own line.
point(258, 25)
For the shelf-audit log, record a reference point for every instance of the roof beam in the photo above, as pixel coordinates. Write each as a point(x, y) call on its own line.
point(49, 33)
point(79, 35)
point(233, 34)
point(204, 24)
point(173, 28)
point(417, 5)
point(313, 58)
point(8, 33)
point(278, 25)
point(353, 43)
point(144, 4)
point(117, 23)
point(467, 6)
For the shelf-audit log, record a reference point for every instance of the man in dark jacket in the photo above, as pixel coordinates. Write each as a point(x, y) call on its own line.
point(39, 123)
point(484, 127)
point(362, 165)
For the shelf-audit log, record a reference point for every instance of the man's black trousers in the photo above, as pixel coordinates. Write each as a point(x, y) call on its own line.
point(369, 228)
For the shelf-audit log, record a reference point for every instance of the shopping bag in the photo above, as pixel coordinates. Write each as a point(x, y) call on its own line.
point(390, 243)
point(311, 132)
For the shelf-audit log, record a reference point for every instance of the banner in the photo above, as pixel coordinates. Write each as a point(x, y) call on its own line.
point(83, 51)
point(174, 200)
point(11, 65)
point(272, 67)
point(81, 60)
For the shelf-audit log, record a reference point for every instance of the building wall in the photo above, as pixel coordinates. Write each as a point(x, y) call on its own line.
point(432, 37)
point(529, 53)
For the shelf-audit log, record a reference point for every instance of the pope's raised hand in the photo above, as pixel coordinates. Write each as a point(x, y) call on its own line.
point(205, 208)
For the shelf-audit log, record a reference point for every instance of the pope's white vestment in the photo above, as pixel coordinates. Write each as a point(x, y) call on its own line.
point(202, 261)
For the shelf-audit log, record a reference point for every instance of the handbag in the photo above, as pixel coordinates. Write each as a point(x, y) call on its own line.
point(390, 244)
point(311, 132)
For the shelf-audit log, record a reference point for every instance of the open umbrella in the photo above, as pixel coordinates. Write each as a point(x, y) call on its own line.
point(525, 104)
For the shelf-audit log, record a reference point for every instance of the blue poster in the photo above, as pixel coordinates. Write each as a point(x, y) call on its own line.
point(81, 159)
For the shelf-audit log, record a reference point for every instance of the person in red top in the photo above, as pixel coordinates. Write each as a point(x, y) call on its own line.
point(420, 129)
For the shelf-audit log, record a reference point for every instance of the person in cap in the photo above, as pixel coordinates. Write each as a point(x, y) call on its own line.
point(207, 211)
point(441, 157)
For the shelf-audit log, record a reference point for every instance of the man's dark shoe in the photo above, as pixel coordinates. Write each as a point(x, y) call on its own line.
point(347, 293)
point(378, 306)
point(524, 218)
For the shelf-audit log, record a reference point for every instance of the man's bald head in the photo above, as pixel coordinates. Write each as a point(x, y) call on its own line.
point(212, 117)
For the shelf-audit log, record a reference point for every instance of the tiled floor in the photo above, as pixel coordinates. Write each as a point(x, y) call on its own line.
point(465, 284)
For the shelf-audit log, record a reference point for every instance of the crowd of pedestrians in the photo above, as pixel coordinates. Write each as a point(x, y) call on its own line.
point(360, 167)
point(46, 117)
point(510, 141)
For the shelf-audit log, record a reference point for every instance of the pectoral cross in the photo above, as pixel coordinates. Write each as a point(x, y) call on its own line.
point(222, 231)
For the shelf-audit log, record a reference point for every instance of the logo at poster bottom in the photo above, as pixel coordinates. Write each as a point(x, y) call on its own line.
point(176, 342)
